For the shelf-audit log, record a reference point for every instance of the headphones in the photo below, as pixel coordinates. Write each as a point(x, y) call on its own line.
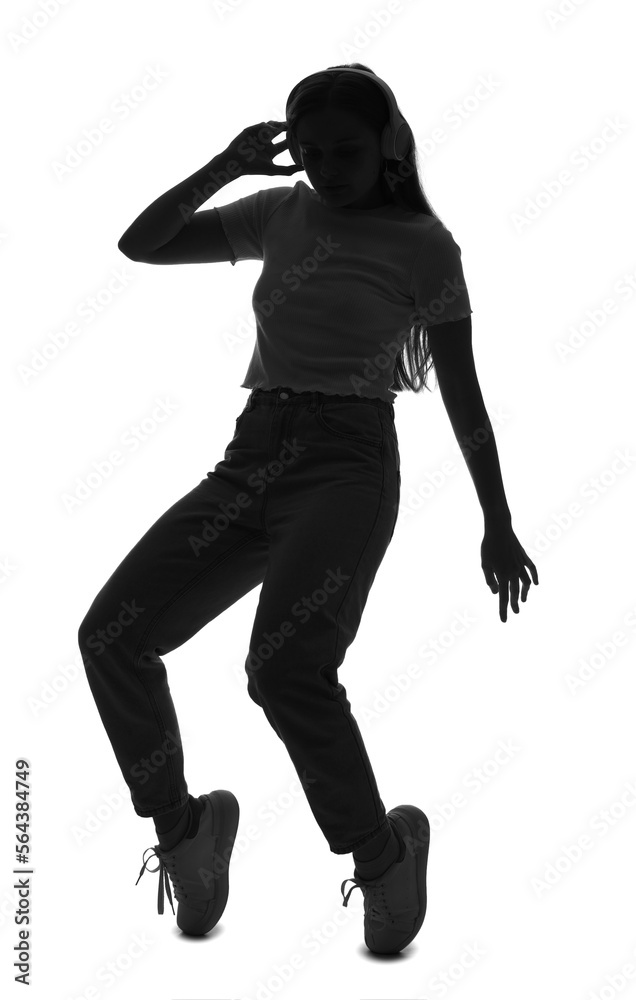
point(394, 142)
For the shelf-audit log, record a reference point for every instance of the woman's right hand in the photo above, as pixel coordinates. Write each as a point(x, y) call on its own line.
point(254, 150)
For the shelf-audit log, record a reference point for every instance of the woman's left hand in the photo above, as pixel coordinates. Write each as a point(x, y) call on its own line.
point(503, 561)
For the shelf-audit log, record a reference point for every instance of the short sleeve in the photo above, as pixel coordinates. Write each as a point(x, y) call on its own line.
point(438, 286)
point(244, 221)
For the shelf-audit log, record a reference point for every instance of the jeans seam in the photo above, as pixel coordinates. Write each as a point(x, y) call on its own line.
point(348, 590)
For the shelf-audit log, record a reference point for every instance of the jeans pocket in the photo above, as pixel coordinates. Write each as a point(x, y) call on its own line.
point(359, 422)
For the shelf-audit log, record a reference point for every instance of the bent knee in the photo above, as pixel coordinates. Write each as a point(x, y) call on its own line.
point(104, 628)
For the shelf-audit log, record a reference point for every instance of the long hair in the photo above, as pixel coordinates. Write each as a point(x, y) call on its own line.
point(400, 183)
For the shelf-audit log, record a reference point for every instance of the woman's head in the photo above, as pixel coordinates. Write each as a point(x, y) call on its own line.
point(350, 106)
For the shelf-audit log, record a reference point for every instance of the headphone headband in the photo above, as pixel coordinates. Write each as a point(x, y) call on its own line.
point(394, 141)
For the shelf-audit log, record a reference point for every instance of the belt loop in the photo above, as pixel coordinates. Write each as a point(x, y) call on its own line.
point(313, 406)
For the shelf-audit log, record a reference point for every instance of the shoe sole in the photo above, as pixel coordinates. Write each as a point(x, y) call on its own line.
point(225, 820)
point(419, 831)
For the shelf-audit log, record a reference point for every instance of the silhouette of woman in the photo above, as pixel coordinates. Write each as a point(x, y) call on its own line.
point(361, 292)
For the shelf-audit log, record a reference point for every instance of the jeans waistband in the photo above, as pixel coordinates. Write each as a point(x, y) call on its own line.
point(288, 395)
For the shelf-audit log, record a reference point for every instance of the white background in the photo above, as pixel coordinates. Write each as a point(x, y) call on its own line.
point(561, 421)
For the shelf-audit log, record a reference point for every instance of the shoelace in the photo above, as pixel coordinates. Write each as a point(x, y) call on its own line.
point(373, 892)
point(167, 866)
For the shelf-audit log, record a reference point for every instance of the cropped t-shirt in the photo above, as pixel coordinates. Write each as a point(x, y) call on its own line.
point(340, 288)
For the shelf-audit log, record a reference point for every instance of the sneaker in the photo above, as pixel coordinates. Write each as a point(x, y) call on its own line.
point(395, 903)
point(199, 866)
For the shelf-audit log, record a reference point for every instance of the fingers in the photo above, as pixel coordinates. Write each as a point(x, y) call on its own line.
point(533, 570)
point(514, 595)
point(503, 600)
point(509, 585)
point(272, 128)
point(525, 586)
point(491, 580)
point(508, 590)
point(509, 593)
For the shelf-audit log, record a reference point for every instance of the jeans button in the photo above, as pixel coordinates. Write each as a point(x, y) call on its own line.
point(284, 395)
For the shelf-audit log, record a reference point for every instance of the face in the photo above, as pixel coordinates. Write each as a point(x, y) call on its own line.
point(337, 148)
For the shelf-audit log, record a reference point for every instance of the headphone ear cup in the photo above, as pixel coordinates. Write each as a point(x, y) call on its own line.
point(401, 142)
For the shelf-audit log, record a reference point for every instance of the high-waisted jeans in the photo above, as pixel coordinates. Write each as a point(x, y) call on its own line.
point(305, 504)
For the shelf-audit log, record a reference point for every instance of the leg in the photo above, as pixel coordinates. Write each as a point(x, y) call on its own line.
point(330, 526)
point(171, 584)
